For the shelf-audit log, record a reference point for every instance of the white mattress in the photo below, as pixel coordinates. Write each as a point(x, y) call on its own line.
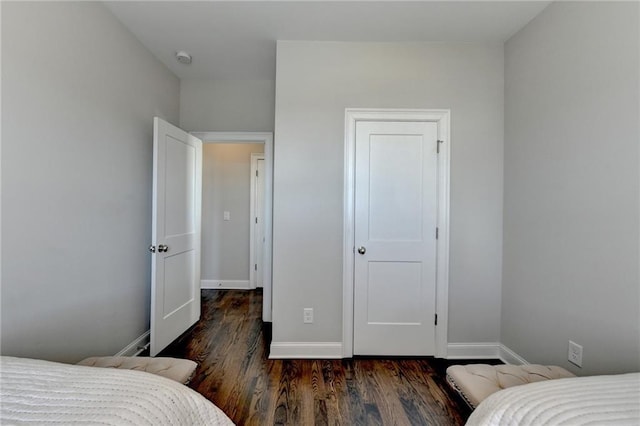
point(42, 392)
point(595, 400)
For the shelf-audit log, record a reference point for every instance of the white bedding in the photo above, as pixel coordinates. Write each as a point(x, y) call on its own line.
point(42, 392)
point(595, 400)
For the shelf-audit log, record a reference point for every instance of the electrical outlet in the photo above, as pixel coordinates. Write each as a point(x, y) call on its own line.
point(307, 316)
point(575, 354)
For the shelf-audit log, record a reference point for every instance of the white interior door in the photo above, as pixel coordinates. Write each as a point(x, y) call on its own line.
point(259, 223)
point(395, 238)
point(176, 217)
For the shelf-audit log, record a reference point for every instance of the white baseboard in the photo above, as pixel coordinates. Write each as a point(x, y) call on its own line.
point(305, 350)
point(225, 285)
point(484, 350)
point(488, 350)
point(134, 348)
point(510, 357)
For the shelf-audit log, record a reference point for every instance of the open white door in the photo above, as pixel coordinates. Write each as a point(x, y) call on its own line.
point(176, 218)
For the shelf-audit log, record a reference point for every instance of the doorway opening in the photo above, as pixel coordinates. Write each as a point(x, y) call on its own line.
point(237, 210)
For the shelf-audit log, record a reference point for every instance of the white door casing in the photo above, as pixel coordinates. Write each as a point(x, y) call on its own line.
point(176, 227)
point(396, 195)
point(256, 221)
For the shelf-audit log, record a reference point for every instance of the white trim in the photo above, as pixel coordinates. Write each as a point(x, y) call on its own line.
point(233, 137)
point(225, 285)
point(510, 357)
point(305, 350)
point(252, 215)
point(267, 139)
point(137, 346)
point(473, 350)
point(442, 117)
point(488, 350)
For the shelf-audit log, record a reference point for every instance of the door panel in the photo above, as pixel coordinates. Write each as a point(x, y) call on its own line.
point(178, 276)
point(395, 171)
point(176, 216)
point(180, 163)
point(395, 222)
point(394, 293)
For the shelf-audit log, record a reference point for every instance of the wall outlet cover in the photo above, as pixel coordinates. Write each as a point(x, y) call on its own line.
point(307, 316)
point(575, 354)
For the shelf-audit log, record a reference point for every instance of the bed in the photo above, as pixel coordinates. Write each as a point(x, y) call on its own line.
point(42, 392)
point(594, 400)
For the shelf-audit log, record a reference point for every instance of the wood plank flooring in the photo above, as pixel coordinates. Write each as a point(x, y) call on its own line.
point(230, 345)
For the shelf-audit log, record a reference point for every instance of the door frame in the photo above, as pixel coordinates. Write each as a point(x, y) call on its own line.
point(442, 118)
point(265, 138)
point(252, 214)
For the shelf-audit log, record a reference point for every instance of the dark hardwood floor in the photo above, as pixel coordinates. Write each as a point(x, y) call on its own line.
point(231, 346)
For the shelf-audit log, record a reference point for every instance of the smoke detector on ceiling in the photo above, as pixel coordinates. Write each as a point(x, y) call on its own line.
point(183, 57)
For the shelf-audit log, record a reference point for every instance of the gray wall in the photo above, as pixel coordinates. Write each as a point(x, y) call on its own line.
point(571, 187)
point(227, 105)
point(78, 96)
point(226, 181)
point(316, 81)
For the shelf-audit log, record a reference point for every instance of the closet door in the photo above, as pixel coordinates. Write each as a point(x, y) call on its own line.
point(396, 172)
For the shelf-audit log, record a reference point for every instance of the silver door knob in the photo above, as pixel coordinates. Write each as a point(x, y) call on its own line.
point(362, 250)
point(163, 248)
point(152, 248)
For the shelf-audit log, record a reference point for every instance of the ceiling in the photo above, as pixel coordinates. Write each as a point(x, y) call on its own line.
point(237, 39)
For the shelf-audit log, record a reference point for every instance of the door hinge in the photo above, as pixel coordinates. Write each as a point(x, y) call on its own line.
point(438, 146)
point(255, 267)
point(437, 232)
point(436, 320)
point(256, 220)
point(256, 173)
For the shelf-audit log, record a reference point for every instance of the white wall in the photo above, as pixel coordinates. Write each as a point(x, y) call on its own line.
point(78, 96)
point(226, 186)
point(571, 187)
point(315, 82)
point(227, 105)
